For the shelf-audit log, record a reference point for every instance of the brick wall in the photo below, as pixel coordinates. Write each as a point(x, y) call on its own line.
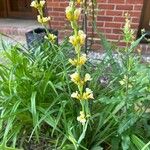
point(110, 18)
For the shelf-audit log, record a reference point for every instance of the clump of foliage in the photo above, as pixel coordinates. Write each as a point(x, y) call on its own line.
point(39, 111)
point(33, 87)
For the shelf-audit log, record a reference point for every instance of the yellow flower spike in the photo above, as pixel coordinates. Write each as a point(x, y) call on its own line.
point(69, 13)
point(42, 3)
point(34, 4)
point(77, 13)
point(87, 77)
point(88, 94)
point(78, 40)
point(82, 37)
point(82, 118)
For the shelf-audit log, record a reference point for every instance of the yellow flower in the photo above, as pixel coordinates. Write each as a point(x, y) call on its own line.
point(74, 62)
point(83, 59)
point(88, 94)
point(46, 19)
point(78, 40)
point(87, 77)
point(75, 77)
point(73, 40)
point(78, 1)
point(79, 62)
point(77, 13)
point(82, 37)
point(51, 37)
point(37, 4)
point(34, 4)
point(42, 3)
point(69, 13)
point(124, 82)
point(82, 118)
point(72, 14)
point(43, 20)
point(76, 95)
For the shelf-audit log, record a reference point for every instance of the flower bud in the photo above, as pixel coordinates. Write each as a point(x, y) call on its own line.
point(87, 77)
point(69, 13)
point(82, 118)
point(51, 37)
point(43, 20)
point(82, 36)
point(88, 94)
point(73, 40)
point(42, 3)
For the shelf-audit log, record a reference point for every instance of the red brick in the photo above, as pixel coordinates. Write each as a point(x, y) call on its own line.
point(119, 19)
point(124, 7)
point(112, 24)
point(117, 31)
point(114, 13)
point(134, 1)
point(106, 6)
point(104, 18)
point(138, 7)
point(116, 1)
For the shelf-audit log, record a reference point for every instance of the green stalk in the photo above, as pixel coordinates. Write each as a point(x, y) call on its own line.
point(127, 75)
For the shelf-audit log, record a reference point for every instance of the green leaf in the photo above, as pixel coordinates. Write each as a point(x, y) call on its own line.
point(68, 147)
point(53, 87)
point(97, 148)
point(139, 143)
point(115, 143)
point(8, 148)
point(135, 43)
point(127, 123)
point(146, 147)
point(125, 142)
point(34, 112)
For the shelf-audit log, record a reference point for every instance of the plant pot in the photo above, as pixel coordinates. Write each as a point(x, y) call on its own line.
point(35, 37)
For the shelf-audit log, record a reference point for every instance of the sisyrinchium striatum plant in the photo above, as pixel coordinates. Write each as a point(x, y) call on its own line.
point(48, 102)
